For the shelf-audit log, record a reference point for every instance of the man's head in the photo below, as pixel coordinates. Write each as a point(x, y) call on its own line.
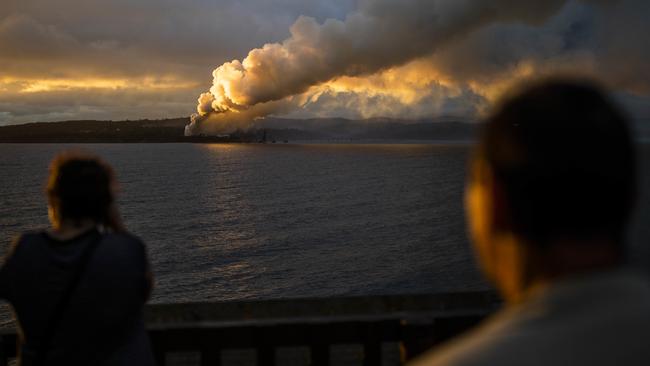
point(552, 180)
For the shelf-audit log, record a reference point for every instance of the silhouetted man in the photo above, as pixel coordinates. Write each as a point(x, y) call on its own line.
point(550, 189)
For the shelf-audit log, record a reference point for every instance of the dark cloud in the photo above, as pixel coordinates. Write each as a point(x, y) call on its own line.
point(197, 33)
point(605, 41)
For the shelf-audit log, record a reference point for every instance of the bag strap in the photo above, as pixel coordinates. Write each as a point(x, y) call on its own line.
point(64, 301)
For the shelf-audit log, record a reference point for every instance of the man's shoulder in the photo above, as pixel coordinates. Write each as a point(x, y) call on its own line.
point(600, 320)
point(489, 344)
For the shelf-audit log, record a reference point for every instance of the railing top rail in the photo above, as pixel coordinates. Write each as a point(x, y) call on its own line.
point(412, 308)
point(369, 308)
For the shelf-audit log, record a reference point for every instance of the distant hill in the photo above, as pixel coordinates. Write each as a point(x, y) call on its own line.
point(171, 130)
point(96, 131)
point(442, 128)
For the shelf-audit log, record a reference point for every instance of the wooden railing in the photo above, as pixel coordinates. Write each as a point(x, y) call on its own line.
point(204, 332)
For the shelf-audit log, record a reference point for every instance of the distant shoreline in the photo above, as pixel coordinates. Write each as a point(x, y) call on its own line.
point(217, 140)
point(120, 140)
point(225, 140)
point(279, 130)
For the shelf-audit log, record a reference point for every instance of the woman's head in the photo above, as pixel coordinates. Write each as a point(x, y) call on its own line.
point(80, 188)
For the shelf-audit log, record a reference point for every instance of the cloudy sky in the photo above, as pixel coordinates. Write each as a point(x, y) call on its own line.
point(91, 59)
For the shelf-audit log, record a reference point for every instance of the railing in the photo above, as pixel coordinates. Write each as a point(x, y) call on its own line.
point(202, 333)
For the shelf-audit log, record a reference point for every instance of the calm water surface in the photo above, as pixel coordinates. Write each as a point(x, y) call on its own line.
point(236, 221)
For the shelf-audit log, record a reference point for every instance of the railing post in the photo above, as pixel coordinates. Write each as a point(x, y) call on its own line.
point(159, 356)
point(159, 345)
point(3, 355)
point(372, 346)
point(320, 354)
point(266, 356)
point(372, 353)
point(210, 357)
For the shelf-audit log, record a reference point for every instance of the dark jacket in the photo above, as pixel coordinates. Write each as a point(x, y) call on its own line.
point(103, 322)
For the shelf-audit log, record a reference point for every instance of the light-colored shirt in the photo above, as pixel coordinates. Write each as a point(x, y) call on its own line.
point(597, 319)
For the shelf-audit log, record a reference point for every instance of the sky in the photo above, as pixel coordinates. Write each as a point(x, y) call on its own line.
point(128, 59)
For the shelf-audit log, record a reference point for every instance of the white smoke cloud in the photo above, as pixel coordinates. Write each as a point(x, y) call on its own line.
point(218, 123)
point(468, 48)
point(381, 34)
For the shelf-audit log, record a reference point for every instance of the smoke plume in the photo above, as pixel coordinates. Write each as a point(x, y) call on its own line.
point(380, 35)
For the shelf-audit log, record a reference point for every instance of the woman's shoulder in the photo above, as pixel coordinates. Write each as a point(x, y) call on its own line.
point(123, 248)
point(23, 245)
point(30, 236)
point(125, 240)
point(27, 239)
point(123, 237)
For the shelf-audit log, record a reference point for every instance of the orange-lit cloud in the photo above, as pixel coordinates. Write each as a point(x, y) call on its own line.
point(82, 83)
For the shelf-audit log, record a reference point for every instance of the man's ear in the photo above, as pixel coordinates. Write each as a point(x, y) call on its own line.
point(501, 219)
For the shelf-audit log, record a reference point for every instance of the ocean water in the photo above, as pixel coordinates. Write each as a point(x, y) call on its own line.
point(250, 221)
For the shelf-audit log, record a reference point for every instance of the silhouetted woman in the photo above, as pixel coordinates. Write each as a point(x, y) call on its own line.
point(78, 288)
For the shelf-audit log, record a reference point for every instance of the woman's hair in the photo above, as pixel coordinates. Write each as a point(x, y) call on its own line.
point(81, 187)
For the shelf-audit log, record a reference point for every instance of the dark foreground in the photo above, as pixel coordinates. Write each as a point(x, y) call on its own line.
point(378, 330)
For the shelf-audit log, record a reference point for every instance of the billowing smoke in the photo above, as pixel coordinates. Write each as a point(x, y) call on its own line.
point(380, 35)
point(226, 121)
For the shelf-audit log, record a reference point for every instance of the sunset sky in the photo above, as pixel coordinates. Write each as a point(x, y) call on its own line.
point(90, 59)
